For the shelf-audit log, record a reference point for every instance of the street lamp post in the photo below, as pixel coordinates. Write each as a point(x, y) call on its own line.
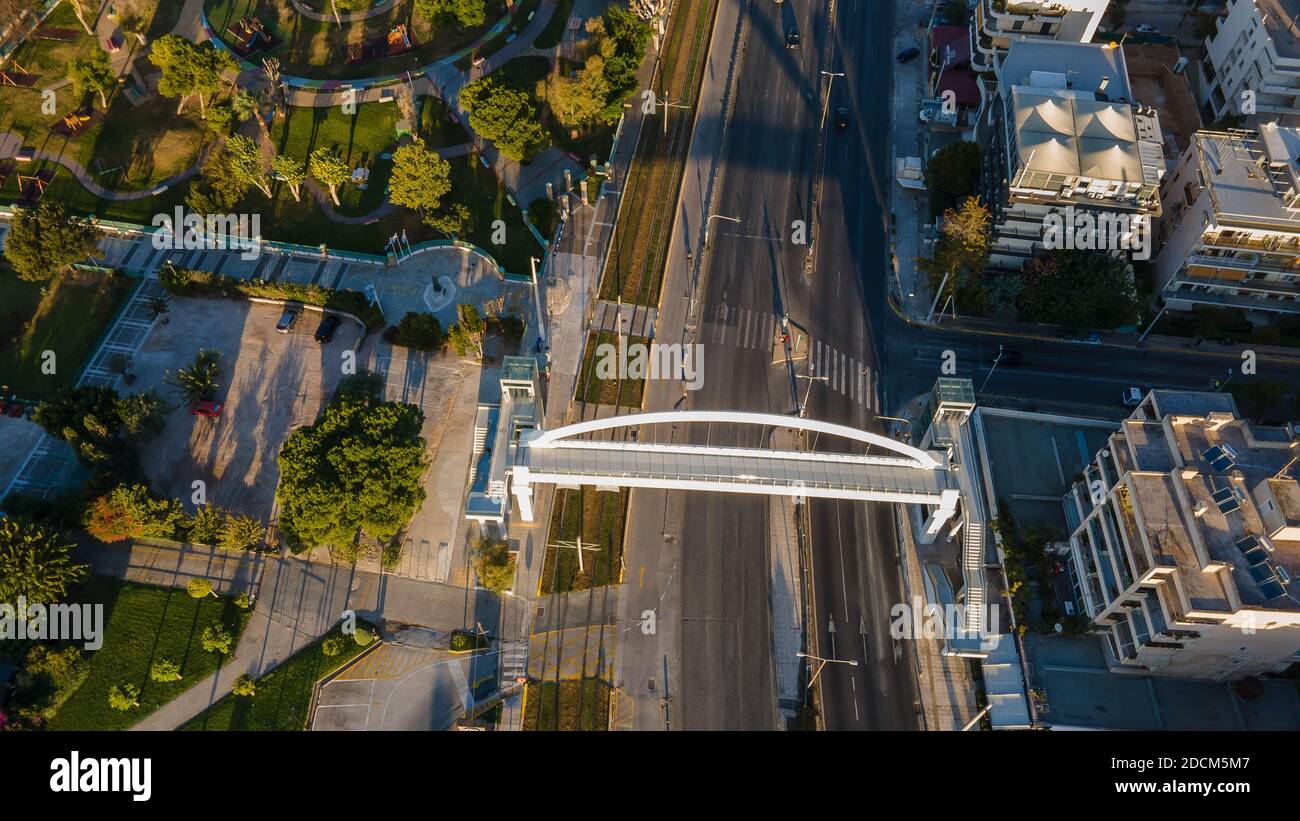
point(996, 360)
point(822, 665)
point(668, 106)
point(711, 218)
point(803, 406)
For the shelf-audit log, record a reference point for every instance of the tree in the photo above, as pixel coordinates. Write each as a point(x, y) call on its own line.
point(133, 512)
point(215, 639)
point(92, 74)
point(206, 524)
point(506, 116)
point(140, 414)
point(242, 533)
point(328, 168)
point(466, 335)
point(200, 587)
point(198, 382)
point(578, 101)
point(35, 562)
point(464, 13)
point(417, 330)
point(453, 219)
point(245, 162)
point(953, 174)
point(189, 69)
point(290, 171)
point(124, 697)
point(494, 564)
point(218, 189)
point(132, 20)
point(357, 470)
point(47, 239)
point(1078, 290)
point(420, 178)
point(960, 256)
point(165, 670)
point(244, 686)
point(243, 106)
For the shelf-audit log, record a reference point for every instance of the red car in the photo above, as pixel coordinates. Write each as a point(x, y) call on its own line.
point(206, 408)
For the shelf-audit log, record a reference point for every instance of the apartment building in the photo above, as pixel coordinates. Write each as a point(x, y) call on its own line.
point(1255, 48)
point(996, 23)
point(1231, 224)
point(1066, 138)
point(1186, 541)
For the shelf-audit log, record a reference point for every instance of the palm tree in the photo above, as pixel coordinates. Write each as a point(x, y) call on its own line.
point(199, 381)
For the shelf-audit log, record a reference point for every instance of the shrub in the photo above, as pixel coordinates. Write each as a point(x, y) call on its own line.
point(165, 670)
point(215, 639)
point(124, 697)
point(198, 588)
point(242, 533)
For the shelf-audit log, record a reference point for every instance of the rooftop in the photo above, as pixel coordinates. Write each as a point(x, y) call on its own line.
point(1076, 134)
point(1281, 25)
point(1252, 176)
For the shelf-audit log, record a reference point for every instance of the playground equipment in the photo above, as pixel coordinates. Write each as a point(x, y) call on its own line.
point(397, 41)
point(250, 36)
point(33, 186)
point(15, 75)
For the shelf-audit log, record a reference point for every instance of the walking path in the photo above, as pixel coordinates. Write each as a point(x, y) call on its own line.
point(295, 602)
point(11, 144)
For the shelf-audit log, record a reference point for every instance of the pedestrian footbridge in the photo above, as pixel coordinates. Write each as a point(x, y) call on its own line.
point(890, 471)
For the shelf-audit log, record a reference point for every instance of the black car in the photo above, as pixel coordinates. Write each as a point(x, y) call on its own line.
point(842, 117)
point(1007, 357)
point(287, 319)
point(908, 54)
point(328, 325)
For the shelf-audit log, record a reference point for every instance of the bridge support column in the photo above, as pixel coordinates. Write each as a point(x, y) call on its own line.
point(524, 498)
point(947, 507)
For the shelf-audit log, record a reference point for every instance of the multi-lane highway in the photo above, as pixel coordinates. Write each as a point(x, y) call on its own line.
point(723, 672)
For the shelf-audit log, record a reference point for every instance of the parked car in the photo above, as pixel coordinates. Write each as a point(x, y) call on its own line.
point(328, 325)
point(287, 319)
point(1007, 357)
point(207, 408)
point(907, 55)
point(842, 117)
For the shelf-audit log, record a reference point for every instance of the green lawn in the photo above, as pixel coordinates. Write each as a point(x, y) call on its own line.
point(143, 624)
point(567, 705)
point(591, 388)
point(283, 695)
point(599, 516)
point(68, 320)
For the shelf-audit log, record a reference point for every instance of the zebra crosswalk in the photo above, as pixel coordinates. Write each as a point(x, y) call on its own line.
point(757, 330)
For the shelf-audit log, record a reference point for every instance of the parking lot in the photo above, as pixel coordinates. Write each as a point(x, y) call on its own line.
point(269, 384)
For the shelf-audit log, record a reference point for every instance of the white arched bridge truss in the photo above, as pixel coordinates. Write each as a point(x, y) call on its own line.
point(565, 458)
